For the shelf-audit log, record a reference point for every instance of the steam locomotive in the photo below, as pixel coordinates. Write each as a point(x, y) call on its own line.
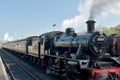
point(72, 56)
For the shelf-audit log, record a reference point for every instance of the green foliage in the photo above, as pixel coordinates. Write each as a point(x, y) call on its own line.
point(110, 30)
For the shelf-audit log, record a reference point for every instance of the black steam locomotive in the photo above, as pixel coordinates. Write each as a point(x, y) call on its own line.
point(72, 56)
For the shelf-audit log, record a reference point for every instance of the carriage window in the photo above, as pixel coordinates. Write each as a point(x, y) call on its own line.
point(29, 42)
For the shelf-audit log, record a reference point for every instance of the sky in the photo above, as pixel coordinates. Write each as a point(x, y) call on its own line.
point(23, 18)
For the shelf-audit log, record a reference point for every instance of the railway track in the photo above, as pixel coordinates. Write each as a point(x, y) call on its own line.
point(18, 70)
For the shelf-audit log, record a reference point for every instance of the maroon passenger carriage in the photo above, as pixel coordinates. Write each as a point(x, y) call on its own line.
point(72, 56)
point(117, 44)
point(114, 44)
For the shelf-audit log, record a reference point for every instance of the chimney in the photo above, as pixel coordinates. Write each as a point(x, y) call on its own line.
point(90, 26)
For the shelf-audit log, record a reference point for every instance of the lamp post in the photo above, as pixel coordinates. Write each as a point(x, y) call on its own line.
point(54, 26)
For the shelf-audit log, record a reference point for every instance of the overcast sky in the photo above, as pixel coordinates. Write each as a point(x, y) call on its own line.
point(23, 18)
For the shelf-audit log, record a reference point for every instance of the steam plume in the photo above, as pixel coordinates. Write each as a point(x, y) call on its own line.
point(90, 9)
point(100, 7)
point(8, 37)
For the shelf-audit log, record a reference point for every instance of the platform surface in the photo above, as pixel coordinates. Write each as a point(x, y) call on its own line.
point(3, 73)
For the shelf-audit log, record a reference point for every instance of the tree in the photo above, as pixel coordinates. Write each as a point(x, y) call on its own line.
point(110, 30)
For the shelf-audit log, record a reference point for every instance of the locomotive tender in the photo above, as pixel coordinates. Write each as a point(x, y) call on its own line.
point(76, 57)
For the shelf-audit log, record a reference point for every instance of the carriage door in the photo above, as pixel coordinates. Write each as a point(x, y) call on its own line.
point(42, 46)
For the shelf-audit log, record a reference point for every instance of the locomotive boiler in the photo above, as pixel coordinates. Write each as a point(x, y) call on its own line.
point(90, 44)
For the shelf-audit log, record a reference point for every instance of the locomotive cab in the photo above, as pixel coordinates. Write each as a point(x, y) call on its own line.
point(46, 43)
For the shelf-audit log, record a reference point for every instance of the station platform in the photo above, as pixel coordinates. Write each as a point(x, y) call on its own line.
point(3, 73)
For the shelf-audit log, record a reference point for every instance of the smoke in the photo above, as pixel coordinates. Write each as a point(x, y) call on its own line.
point(74, 22)
point(8, 37)
point(90, 9)
point(80, 19)
point(104, 7)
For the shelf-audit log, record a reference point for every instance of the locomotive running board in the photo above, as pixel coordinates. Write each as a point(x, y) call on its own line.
point(116, 59)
